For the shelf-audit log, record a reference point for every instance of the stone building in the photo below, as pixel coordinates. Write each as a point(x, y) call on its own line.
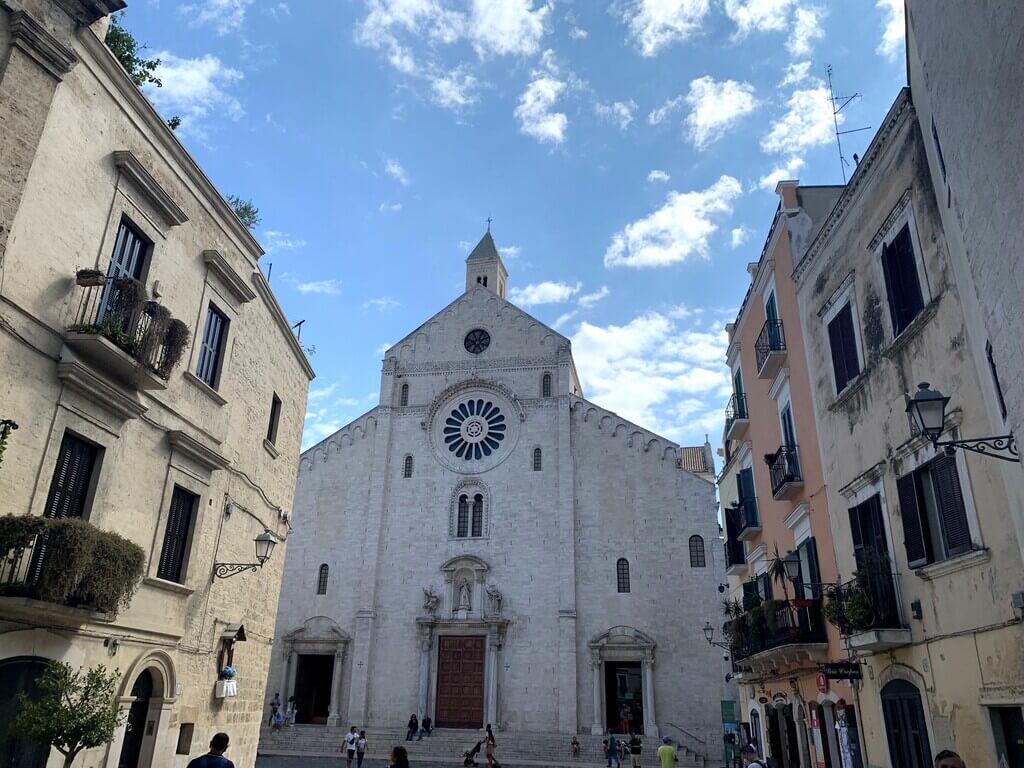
point(773, 508)
point(488, 546)
point(108, 232)
point(925, 538)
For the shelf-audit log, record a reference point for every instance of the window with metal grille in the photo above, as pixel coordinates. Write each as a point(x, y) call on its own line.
point(403, 398)
point(899, 264)
point(478, 515)
point(407, 467)
point(174, 553)
point(935, 525)
point(275, 418)
point(321, 579)
point(212, 347)
point(545, 385)
point(843, 342)
point(697, 559)
point(462, 521)
point(622, 574)
point(537, 460)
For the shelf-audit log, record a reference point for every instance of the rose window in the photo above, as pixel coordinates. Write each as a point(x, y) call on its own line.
point(474, 429)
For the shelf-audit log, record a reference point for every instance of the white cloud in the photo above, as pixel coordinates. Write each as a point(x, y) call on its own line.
point(588, 300)
point(535, 111)
point(619, 112)
point(656, 372)
point(394, 169)
point(715, 107)
point(224, 16)
point(275, 241)
point(806, 29)
point(278, 10)
point(677, 231)
point(454, 89)
point(658, 176)
point(195, 89)
point(796, 73)
point(893, 35)
point(564, 318)
point(325, 414)
point(807, 123)
point(381, 303)
point(509, 251)
point(663, 112)
point(578, 33)
point(759, 15)
point(507, 26)
point(324, 287)
point(547, 292)
point(738, 236)
point(789, 169)
point(321, 393)
point(383, 348)
point(654, 24)
point(389, 207)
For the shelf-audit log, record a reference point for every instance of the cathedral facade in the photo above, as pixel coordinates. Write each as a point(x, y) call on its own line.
point(487, 546)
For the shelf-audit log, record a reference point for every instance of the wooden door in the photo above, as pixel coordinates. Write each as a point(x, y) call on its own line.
point(460, 682)
point(904, 722)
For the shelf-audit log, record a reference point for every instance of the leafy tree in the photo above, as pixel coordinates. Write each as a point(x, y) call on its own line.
point(75, 710)
point(174, 122)
point(245, 210)
point(126, 48)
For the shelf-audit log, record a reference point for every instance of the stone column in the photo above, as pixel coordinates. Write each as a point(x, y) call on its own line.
point(334, 718)
point(491, 684)
point(595, 665)
point(426, 641)
point(650, 718)
point(288, 683)
point(360, 678)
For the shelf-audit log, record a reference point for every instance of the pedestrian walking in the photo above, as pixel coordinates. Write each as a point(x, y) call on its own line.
point(413, 727)
point(399, 757)
point(275, 705)
point(611, 750)
point(276, 721)
point(667, 753)
point(360, 749)
point(351, 738)
point(635, 747)
point(748, 754)
point(489, 745)
point(624, 720)
point(290, 711)
point(215, 757)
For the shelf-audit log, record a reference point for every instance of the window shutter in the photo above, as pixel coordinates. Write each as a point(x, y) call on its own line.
point(71, 476)
point(179, 523)
point(814, 568)
point(955, 530)
point(836, 342)
point(913, 531)
point(850, 344)
point(746, 484)
point(902, 285)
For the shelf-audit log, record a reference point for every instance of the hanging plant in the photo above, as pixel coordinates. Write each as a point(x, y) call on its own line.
point(6, 427)
point(175, 342)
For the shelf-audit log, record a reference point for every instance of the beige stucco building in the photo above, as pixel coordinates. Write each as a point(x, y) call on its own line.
point(190, 459)
point(928, 537)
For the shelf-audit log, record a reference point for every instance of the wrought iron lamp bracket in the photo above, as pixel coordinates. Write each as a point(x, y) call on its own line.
point(1002, 447)
point(226, 570)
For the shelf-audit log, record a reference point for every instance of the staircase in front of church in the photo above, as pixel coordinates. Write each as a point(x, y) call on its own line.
point(448, 745)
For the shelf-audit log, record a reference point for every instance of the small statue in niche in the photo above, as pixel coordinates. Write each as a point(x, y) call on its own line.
point(494, 595)
point(465, 597)
point(430, 600)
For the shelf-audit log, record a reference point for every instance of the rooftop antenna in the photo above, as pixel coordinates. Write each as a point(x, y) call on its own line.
point(839, 103)
point(298, 328)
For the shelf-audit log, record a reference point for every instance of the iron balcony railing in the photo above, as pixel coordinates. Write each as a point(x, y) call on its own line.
point(734, 554)
point(747, 515)
point(737, 409)
point(784, 467)
point(869, 601)
point(771, 339)
point(774, 624)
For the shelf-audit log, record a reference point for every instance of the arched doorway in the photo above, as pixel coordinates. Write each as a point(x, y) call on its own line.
point(622, 660)
point(136, 725)
point(19, 675)
point(905, 725)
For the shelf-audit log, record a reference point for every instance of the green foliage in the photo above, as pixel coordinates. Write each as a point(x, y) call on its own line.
point(248, 213)
point(175, 343)
point(75, 710)
point(126, 49)
point(732, 608)
point(174, 122)
point(777, 570)
point(83, 565)
point(5, 433)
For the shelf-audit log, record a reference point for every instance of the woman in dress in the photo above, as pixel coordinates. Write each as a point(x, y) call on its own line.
point(489, 745)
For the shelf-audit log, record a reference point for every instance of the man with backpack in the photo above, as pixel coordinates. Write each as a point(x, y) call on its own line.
point(748, 754)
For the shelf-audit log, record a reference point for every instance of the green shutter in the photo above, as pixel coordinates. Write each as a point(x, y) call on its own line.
point(955, 531)
point(913, 530)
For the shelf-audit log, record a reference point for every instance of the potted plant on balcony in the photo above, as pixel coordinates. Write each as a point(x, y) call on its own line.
point(88, 278)
point(227, 686)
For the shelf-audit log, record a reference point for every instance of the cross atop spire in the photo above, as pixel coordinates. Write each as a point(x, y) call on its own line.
point(489, 220)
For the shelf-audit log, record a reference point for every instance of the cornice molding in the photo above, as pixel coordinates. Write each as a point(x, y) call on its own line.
point(81, 379)
point(88, 11)
point(188, 446)
point(894, 215)
point(219, 266)
point(29, 36)
point(132, 169)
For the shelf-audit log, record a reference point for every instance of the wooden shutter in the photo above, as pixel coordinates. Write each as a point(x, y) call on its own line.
point(71, 477)
point(179, 525)
point(955, 531)
point(913, 529)
point(209, 352)
point(813, 575)
point(835, 341)
point(901, 282)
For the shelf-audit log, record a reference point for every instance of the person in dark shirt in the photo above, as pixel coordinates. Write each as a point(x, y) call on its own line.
point(215, 757)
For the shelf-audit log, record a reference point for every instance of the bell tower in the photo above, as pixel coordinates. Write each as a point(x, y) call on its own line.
point(485, 267)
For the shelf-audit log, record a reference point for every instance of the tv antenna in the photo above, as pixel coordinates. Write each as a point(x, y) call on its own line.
point(839, 103)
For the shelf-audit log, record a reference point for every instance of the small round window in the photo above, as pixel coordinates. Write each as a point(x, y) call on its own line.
point(477, 341)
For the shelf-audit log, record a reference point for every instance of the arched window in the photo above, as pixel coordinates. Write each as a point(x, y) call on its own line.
point(538, 464)
point(462, 527)
point(545, 385)
point(403, 398)
point(697, 552)
point(407, 467)
point(321, 580)
point(478, 515)
point(622, 574)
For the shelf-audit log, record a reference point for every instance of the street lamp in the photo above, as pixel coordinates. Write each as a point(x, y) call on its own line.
point(927, 409)
point(791, 564)
point(265, 543)
point(709, 634)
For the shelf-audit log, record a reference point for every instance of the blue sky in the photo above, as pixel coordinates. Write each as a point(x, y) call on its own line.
point(626, 149)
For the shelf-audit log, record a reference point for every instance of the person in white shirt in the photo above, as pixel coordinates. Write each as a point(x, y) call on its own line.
point(360, 749)
point(351, 738)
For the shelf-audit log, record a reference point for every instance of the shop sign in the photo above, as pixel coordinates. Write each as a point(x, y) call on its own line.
point(841, 670)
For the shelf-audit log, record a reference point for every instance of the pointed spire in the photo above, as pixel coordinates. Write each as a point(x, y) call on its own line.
point(485, 249)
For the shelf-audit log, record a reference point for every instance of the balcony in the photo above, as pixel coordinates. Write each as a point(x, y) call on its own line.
point(770, 349)
point(116, 331)
point(778, 633)
point(735, 558)
point(736, 417)
point(748, 522)
point(784, 469)
point(64, 570)
point(867, 611)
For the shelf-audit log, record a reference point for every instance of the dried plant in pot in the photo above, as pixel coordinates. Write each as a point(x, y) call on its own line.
point(175, 342)
point(148, 350)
